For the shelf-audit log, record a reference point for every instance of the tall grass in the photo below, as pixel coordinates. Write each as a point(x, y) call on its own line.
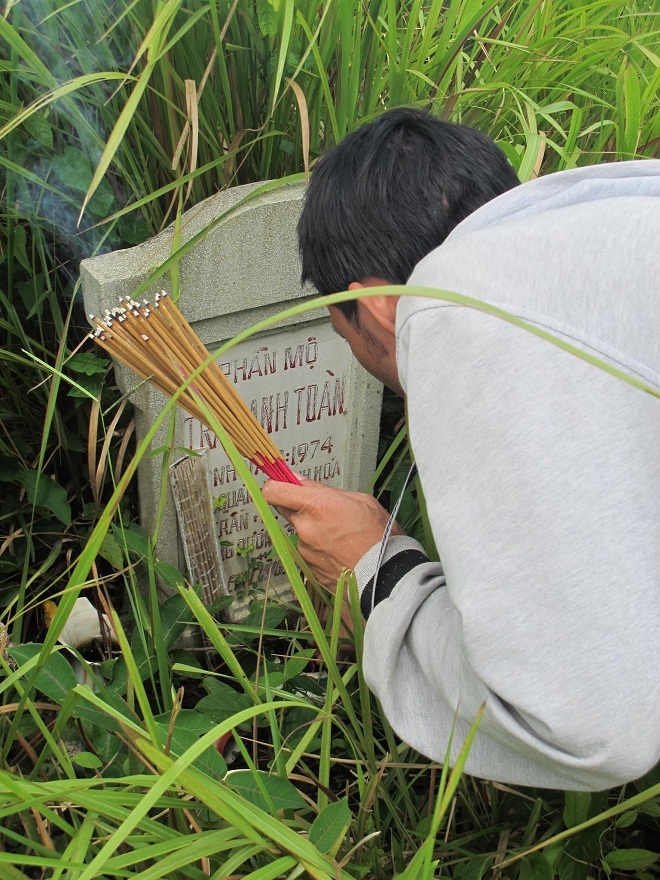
point(336, 775)
point(115, 117)
point(155, 93)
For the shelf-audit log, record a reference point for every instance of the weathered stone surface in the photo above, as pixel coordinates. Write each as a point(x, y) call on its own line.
point(299, 377)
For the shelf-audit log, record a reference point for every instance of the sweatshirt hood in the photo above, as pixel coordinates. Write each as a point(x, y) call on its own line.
point(576, 186)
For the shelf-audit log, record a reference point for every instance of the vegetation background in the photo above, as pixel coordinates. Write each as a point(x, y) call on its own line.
point(115, 116)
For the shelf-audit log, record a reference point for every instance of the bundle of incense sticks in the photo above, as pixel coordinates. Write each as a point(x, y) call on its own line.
point(158, 344)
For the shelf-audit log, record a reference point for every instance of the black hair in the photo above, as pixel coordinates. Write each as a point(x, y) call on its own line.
point(390, 193)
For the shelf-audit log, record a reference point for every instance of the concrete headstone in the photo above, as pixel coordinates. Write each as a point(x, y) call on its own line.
point(299, 378)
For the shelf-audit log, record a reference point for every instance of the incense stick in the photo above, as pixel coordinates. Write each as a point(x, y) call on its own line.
point(157, 343)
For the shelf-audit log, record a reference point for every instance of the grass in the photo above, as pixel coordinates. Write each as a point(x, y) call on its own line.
point(123, 115)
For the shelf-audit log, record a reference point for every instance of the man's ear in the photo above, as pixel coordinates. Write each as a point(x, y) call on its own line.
point(382, 309)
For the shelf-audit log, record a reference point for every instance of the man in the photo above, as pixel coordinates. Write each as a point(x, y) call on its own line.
point(541, 472)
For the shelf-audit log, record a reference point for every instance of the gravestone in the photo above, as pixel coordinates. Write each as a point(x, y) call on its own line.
point(299, 378)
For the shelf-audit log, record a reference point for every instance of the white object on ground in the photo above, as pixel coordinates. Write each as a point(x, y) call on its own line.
point(84, 625)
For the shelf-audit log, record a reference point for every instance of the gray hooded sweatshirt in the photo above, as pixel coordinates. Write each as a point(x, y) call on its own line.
point(541, 473)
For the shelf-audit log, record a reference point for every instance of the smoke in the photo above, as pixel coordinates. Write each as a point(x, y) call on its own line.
point(78, 38)
point(61, 145)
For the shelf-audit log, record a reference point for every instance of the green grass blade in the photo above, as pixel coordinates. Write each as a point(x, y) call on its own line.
point(55, 94)
point(285, 39)
point(210, 628)
point(622, 807)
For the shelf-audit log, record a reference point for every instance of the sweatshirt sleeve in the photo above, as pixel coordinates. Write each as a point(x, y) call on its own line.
point(541, 477)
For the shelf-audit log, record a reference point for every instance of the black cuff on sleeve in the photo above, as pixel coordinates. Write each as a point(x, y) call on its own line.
point(388, 577)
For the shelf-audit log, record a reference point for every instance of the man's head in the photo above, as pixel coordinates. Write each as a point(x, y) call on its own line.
point(390, 193)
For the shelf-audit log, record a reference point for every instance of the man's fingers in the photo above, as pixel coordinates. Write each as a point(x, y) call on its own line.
point(294, 498)
point(284, 495)
point(335, 528)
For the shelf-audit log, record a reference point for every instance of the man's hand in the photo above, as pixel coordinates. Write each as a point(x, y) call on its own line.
point(335, 528)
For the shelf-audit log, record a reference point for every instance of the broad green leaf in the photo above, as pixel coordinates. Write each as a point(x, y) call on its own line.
point(554, 853)
point(181, 738)
point(222, 702)
point(169, 575)
point(186, 663)
point(536, 867)
point(627, 819)
point(88, 760)
point(134, 537)
point(296, 724)
point(651, 808)
point(267, 15)
point(576, 807)
point(101, 203)
point(271, 618)
point(175, 616)
point(56, 679)
point(40, 129)
point(280, 673)
point(20, 254)
point(283, 794)
point(188, 719)
point(329, 827)
point(86, 387)
point(571, 868)
point(108, 746)
point(43, 491)
point(95, 717)
point(112, 552)
point(88, 363)
point(631, 859)
point(296, 664)
point(73, 168)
